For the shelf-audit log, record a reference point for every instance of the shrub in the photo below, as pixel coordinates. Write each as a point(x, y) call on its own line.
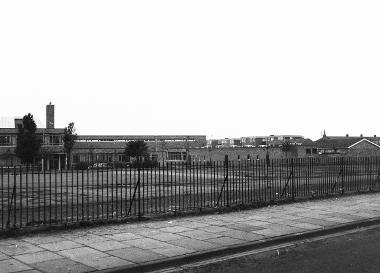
point(147, 163)
point(82, 165)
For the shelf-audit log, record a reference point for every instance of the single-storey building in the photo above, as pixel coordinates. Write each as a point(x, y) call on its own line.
point(348, 146)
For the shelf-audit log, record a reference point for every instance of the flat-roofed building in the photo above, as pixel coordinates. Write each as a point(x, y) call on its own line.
point(93, 148)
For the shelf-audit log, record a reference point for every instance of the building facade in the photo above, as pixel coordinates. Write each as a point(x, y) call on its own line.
point(330, 146)
point(93, 148)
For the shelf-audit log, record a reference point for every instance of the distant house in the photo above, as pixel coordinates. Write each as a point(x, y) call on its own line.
point(348, 146)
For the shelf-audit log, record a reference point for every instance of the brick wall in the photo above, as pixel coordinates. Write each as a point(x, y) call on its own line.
point(239, 152)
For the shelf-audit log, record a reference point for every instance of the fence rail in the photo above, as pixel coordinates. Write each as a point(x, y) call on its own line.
point(33, 197)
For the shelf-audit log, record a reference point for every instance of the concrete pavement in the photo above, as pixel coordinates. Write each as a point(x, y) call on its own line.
point(147, 245)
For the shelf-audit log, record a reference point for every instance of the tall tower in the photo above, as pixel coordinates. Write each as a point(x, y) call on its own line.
point(50, 116)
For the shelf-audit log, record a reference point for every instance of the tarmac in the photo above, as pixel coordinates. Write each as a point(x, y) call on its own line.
point(152, 245)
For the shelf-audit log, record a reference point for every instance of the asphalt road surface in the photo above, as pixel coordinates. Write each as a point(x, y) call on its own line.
point(348, 252)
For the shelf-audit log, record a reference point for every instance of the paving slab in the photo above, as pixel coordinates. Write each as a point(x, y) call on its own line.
point(123, 236)
point(3, 257)
point(19, 247)
point(63, 265)
point(165, 236)
point(200, 234)
point(226, 241)
point(12, 265)
point(37, 257)
point(245, 236)
point(190, 224)
point(88, 239)
point(214, 228)
point(136, 255)
point(194, 244)
point(319, 222)
point(107, 245)
point(175, 229)
point(146, 243)
point(82, 254)
point(108, 262)
point(172, 251)
point(61, 245)
point(44, 239)
point(245, 227)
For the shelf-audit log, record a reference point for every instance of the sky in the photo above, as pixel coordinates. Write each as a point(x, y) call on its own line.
point(216, 68)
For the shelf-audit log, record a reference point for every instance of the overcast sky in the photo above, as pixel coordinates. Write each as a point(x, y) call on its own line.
point(219, 68)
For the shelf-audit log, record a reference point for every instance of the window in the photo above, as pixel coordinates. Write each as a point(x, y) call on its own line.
point(314, 151)
point(121, 157)
point(52, 140)
point(248, 157)
point(174, 156)
point(76, 159)
point(5, 141)
point(308, 151)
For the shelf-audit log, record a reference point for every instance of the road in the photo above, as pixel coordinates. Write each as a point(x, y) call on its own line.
point(348, 252)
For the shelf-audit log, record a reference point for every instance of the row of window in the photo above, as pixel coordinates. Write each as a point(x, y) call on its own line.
point(104, 157)
point(8, 140)
point(47, 140)
point(178, 156)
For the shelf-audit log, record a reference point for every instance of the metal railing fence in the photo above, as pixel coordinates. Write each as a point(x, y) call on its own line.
point(35, 197)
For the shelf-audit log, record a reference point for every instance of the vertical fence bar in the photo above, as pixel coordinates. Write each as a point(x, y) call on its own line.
point(20, 196)
point(116, 192)
point(159, 186)
point(138, 190)
point(50, 203)
point(233, 184)
point(27, 195)
point(87, 216)
point(152, 197)
point(102, 191)
point(205, 166)
point(55, 197)
point(61, 196)
point(156, 181)
point(82, 195)
point(77, 195)
point(107, 193)
point(227, 177)
point(292, 173)
point(2, 197)
point(97, 192)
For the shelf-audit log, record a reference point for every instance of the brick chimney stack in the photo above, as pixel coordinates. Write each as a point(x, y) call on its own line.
point(50, 116)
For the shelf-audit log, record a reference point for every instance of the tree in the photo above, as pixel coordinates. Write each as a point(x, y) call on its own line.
point(69, 137)
point(137, 149)
point(287, 147)
point(28, 144)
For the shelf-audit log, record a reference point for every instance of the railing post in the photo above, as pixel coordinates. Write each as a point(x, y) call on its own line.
point(226, 179)
point(342, 172)
point(292, 177)
point(138, 189)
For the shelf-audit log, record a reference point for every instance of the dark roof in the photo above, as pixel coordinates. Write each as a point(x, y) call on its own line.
point(142, 137)
point(100, 145)
point(336, 142)
point(306, 142)
point(14, 131)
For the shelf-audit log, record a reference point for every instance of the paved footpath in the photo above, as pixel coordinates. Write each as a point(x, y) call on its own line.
point(132, 245)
